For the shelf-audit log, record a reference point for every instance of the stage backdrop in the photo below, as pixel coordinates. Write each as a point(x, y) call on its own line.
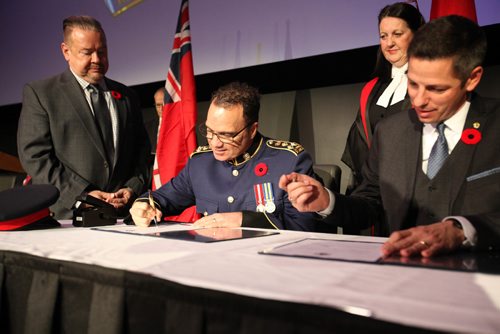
point(226, 34)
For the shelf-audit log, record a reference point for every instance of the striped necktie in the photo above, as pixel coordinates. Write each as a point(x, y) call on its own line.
point(439, 153)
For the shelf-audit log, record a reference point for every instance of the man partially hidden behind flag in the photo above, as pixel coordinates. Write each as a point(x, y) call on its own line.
point(177, 136)
point(466, 8)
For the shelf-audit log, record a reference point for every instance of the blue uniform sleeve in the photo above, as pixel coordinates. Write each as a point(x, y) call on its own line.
point(176, 195)
point(289, 218)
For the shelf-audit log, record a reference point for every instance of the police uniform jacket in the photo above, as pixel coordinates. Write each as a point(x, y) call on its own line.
point(232, 186)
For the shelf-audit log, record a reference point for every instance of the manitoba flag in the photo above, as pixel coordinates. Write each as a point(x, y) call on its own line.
point(465, 8)
point(176, 135)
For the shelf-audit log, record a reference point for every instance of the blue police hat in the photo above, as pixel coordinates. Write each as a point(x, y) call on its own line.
point(27, 208)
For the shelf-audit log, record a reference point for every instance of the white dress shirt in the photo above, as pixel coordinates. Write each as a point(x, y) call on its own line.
point(453, 132)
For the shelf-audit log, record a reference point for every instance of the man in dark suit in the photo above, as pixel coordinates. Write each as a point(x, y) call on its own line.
point(234, 180)
point(81, 131)
point(433, 173)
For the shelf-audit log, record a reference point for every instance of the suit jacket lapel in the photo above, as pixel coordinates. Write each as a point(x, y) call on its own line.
point(413, 158)
point(400, 163)
point(465, 152)
point(122, 110)
point(411, 136)
point(76, 97)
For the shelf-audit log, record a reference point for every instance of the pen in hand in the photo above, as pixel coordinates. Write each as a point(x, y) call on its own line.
point(152, 204)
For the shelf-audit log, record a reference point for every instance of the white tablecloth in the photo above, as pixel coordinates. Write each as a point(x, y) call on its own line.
point(427, 298)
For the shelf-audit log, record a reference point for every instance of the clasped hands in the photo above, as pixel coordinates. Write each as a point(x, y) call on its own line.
point(117, 199)
point(308, 195)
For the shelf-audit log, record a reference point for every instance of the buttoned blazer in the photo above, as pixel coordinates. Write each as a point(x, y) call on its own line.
point(59, 142)
point(390, 173)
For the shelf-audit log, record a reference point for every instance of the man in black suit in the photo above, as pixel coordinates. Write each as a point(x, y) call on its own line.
point(433, 173)
point(81, 131)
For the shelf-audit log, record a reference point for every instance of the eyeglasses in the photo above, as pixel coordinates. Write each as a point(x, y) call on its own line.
point(159, 105)
point(226, 138)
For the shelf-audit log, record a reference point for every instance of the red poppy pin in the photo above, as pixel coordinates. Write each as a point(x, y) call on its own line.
point(116, 95)
point(471, 136)
point(260, 169)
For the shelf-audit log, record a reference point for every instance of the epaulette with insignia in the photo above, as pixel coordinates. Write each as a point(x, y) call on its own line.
point(293, 147)
point(201, 149)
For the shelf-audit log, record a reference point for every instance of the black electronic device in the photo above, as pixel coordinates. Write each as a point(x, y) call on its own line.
point(90, 211)
point(209, 234)
point(213, 234)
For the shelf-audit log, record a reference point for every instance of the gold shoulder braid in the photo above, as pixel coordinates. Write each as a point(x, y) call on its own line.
point(201, 149)
point(293, 147)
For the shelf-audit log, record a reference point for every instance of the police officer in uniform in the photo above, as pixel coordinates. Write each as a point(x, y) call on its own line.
point(234, 180)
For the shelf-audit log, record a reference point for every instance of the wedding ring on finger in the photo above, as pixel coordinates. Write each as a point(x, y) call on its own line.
point(424, 243)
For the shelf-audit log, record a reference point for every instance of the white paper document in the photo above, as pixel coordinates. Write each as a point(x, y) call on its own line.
point(341, 250)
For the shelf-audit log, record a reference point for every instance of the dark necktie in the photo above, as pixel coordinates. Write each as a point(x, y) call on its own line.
point(439, 153)
point(103, 120)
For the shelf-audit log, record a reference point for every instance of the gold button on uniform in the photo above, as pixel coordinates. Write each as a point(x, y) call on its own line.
point(235, 172)
point(230, 199)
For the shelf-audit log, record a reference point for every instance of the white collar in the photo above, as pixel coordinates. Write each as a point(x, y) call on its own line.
point(84, 84)
point(399, 70)
point(397, 88)
point(455, 123)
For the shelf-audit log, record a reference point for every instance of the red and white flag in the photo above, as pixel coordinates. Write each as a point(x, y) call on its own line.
point(465, 8)
point(177, 131)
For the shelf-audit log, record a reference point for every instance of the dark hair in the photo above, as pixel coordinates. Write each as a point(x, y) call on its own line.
point(82, 22)
point(451, 37)
point(413, 19)
point(238, 93)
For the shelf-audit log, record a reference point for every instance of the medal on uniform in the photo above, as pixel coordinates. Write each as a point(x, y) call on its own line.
point(264, 197)
point(269, 197)
point(259, 197)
